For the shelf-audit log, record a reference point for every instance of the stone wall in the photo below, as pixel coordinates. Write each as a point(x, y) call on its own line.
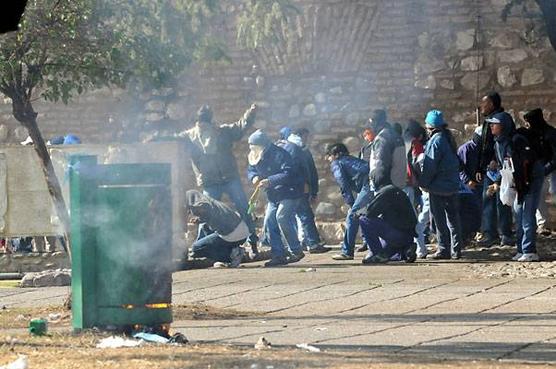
point(340, 60)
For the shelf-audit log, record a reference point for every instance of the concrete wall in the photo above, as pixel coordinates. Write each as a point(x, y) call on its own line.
point(339, 61)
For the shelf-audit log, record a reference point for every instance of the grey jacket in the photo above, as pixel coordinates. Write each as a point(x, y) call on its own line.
point(217, 215)
point(388, 161)
point(211, 147)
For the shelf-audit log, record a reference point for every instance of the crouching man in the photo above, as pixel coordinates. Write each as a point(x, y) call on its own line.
point(389, 226)
point(222, 231)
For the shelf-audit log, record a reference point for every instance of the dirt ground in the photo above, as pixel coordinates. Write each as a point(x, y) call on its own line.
point(62, 349)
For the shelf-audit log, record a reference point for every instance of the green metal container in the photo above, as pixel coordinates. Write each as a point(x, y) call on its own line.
point(121, 230)
point(38, 327)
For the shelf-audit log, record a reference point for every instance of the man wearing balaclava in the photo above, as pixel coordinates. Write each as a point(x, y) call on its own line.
point(547, 151)
point(210, 147)
point(271, 168)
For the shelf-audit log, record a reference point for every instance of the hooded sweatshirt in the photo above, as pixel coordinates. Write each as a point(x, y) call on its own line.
point(218, 216)
point(545, 136)
point(503, 142)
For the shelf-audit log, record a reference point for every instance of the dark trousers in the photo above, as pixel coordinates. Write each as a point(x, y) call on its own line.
point(445, 212)
point(497, 217)
point(383, 238)
point(211, 246)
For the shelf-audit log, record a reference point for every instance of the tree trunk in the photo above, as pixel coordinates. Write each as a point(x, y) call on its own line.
point(24, 113)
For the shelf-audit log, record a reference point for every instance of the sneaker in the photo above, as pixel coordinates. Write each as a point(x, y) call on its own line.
point(236, 256)
point(438, 256)
point(422, 256)
point(517, 256)
point(220, 265)
point(543, 231)
point(411, 254)
point(456, 255)
point(319, 249)
point(342, 257)
point(275, 262)
point(527, 258)
point(375, 259)
point(488, 241)
point(362, 248)
point(295, 257)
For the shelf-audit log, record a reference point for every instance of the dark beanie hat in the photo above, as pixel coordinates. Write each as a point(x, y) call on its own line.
point(534, 116)
point(495, 98)
point(204, 114)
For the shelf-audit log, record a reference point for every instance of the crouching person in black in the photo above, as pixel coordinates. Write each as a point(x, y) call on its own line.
point(221, 232)
point(389, 226)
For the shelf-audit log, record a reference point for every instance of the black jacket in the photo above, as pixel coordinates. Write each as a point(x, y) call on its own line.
point(392, 204)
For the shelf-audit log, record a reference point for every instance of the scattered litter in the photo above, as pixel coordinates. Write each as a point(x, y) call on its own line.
point(321, 329)
point(263, 344)
point(117, 342)
point(306, 346)
point(54, 318)
point(151, 337)
point(20, 318)
point(262, 321)
point(308, 270)
point(19, 363)
point(179, 338)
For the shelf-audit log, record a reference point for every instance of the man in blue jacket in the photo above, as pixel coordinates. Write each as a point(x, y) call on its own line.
point(352, 175)
point(440, 178)
point(271, 168)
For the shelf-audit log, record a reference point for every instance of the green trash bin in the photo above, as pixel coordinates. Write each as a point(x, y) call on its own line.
point(121, 232)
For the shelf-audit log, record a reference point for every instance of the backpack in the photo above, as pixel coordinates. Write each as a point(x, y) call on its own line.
point(398, 171)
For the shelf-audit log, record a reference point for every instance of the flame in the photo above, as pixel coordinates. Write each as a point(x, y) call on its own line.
point(128, 306)
point(161, 305)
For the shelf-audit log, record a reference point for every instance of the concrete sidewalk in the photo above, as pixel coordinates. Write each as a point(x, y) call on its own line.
point(425, 310)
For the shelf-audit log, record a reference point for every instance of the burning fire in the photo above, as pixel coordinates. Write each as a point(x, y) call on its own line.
point(160, 305)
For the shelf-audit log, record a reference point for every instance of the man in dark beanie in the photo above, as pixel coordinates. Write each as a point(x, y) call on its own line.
point(210, 147)
point(546, 135)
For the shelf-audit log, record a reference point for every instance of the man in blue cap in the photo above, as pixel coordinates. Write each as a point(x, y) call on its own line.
point(440, 178)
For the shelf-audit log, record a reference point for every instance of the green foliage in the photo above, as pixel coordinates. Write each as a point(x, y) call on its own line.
point(263, 21)
point(66, 47)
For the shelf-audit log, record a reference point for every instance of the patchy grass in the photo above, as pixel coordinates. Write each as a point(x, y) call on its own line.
point(9, 284)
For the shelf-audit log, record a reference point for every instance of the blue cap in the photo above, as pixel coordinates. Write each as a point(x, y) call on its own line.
point(435, 119)
point(71, 140)
point(285, 132)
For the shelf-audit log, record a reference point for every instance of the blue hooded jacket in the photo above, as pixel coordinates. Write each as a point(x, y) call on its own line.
point(440, 168)
point(276, 165)
point(351, 174)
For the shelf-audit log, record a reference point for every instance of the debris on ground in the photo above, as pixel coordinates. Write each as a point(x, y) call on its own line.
point(19, 363)
point(54, 317)
point(179, 338)
point(309, 270)
point(307, 347)
point(151, 337)
point(263, 344)
point(117, 342)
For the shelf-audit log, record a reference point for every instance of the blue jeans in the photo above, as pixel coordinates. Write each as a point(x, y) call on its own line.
point(210, 245)
point(525, 220)
point(445, 213)
point(497, 217)
point(383, 238)
point(280, 221)
point(306, 222)
point(237, 196)
point(352, 220)
point(422, 220)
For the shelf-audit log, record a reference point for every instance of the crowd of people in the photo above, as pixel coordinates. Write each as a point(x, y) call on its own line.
point(405, 187)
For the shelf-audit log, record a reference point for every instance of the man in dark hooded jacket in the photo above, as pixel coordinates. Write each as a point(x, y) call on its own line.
point(221, 232)
point(528, 177)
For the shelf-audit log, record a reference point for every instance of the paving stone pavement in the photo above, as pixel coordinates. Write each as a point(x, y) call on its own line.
point(425, 309)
